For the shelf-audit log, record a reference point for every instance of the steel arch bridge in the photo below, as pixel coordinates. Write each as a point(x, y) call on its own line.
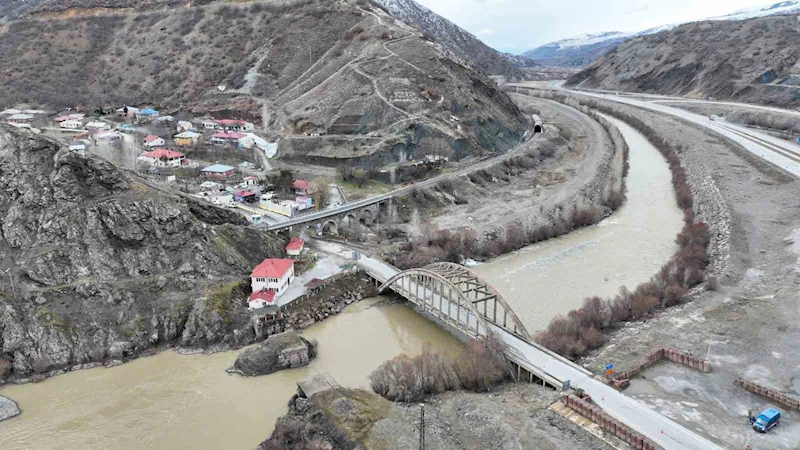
point(458, 296)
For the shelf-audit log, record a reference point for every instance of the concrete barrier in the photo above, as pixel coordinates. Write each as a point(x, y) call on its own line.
point(608, 424)
point(779, 397)
point(620, 379)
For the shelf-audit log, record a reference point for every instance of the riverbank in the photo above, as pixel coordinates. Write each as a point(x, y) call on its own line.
point(328, 301)
point(511, 416)
point(746, 328)
point(171, 400)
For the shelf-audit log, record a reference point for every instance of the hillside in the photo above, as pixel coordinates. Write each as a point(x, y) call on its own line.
point(454, 38)
point(99, 265)
point(754, 61)
point(305, 66)
point(580, 51)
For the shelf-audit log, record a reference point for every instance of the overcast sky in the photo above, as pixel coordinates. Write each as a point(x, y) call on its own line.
point(518, 25)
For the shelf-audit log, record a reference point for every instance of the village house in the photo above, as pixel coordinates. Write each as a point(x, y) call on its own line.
point(19, 118)
point(301, 187)
point(217, 171)
point(65, 117)
point(246, 196)
point(295, 246)
point(272, 275)
point(184, 125)
point(250, 181)
point(228, 125)
point(71, 124)
point(187, 139)
point(211, 186)
point(224, 137)
point(163, 157)
point(261, 299)
point(98, 126)
point(146, 114)
point(152, 140)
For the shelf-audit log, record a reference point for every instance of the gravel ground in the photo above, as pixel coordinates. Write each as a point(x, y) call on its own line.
point(748, 328)
point(515, 416)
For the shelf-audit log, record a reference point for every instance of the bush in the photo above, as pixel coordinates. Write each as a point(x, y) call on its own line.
point(480, 366)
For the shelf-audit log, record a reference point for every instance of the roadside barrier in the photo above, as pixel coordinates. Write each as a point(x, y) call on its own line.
point(772, 394)
point(583, 405)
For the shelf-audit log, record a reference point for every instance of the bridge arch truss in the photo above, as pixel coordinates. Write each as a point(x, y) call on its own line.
point(459, 297)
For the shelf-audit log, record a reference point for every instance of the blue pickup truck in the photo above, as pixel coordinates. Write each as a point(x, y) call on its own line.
point(766, 420)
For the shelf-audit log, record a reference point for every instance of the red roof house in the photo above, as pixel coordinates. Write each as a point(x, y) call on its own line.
point(261, 299)
point(163, 157)
point(295, 246)
point(272, 274)
point(300, 187)
point(152, 140)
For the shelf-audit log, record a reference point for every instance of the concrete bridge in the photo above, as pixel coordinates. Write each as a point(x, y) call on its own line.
point(461, 301)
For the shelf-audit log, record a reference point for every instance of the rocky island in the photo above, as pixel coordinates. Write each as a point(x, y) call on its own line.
point(285, 350)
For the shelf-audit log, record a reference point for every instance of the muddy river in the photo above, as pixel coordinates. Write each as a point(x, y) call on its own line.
point(179, 401)
point(172, 401)
point(553, 277)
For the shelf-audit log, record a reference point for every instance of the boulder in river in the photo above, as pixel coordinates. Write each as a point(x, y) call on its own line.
point(280, 351)
point(8, 409)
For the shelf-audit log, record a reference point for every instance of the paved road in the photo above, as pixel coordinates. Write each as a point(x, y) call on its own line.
point(635, 414)
point(779, 152)
point(485, 164)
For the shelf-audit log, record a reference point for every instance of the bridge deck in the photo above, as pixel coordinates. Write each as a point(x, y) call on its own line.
point(550, 366)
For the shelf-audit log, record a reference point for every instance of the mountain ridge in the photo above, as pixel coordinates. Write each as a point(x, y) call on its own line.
point(580, 51)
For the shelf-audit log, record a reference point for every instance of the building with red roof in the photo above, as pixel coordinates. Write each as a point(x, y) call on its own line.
point(295, 246)
point(163, 157)
point(224, 137)
point(301, 187)
point(152, 140)
point(261, 299)
point(272, 274)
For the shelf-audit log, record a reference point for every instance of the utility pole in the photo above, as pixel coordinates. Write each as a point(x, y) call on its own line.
point(421, 427)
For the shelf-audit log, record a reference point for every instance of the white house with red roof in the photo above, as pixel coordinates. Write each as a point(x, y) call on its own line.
point(301, 187)
point(162, 157)
point(261, 299)
point(224, 137)
point(152, 140)
point(273, 275)
point(295, 246)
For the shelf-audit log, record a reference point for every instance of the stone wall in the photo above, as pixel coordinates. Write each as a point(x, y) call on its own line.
point(621, 378)
point(772, 394)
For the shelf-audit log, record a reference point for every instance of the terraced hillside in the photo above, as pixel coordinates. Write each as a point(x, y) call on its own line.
point(374, 85)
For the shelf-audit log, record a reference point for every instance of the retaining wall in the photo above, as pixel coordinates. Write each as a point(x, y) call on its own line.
point(593, 412)
point(620, 379)
point(772, 394)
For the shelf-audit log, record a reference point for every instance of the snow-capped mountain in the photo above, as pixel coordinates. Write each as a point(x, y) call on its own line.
point(453, 37)
point(582, 50)
point(786, 7)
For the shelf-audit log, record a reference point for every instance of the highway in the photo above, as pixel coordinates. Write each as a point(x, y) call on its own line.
point(635, 414)
point(781, 153)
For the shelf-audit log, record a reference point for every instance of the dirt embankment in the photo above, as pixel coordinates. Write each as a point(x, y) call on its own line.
point(514, 416)
point(746, 328)
point(569, 177)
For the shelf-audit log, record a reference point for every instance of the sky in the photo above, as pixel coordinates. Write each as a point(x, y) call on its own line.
point(515, 26)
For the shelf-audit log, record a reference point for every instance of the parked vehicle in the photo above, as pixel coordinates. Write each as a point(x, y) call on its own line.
point(765, 421)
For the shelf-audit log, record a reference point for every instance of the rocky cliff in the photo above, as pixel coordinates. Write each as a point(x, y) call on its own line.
point(754, 60)
point(97, 265)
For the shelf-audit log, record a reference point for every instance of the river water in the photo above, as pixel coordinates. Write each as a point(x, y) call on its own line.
point(554, 276)
point(188, 401)
point(172, 401)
